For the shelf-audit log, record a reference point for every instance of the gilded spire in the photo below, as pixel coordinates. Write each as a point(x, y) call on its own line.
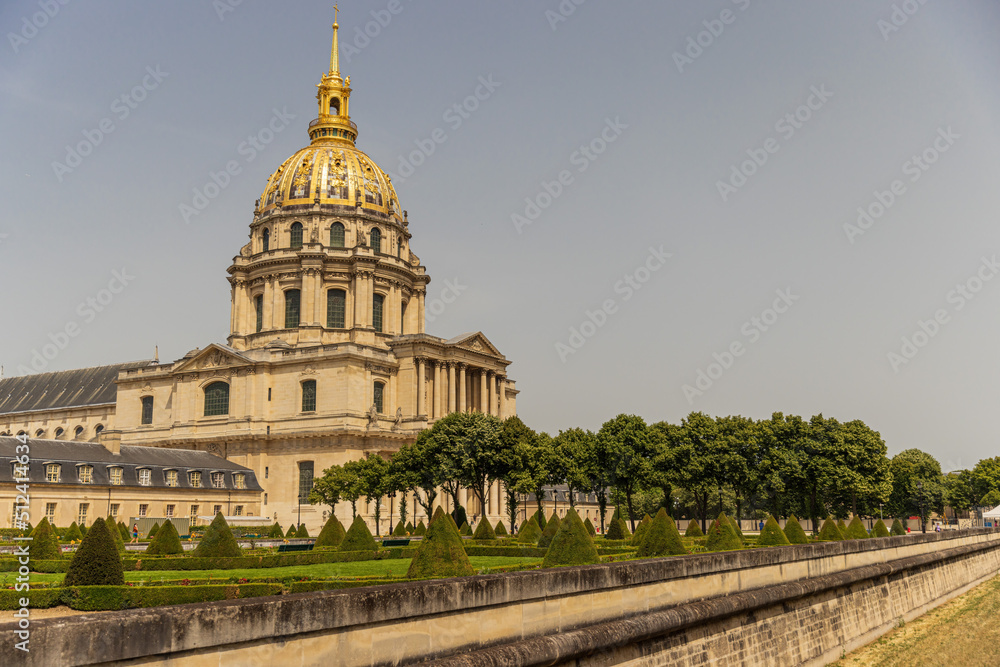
point(335, 50)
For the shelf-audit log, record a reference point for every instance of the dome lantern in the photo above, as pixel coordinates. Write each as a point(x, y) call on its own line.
point(333, 125)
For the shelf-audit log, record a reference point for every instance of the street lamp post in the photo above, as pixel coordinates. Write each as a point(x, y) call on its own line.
point(392, 494)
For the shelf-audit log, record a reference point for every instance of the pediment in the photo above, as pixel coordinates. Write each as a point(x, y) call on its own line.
point(475, 342)
point(213, 356)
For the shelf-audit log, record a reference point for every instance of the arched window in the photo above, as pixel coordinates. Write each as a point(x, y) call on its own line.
point(39, 433)
point(336, 309)
point(402, 317)
point(292, 300)
point(147, 409)
point(379, 396)
point(309, 396)
point(78, 432)
point(258, 306)
point(376, 239)
point(296, 235)
point(337, 235)
point(217, 399)
point(266, 239)
point(99, 429)
point(378, 305)
point(59, 432)
point(334, 106)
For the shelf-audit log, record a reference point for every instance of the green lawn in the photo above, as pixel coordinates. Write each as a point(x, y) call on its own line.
point(368, 568)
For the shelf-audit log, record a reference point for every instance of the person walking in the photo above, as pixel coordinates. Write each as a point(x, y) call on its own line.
point(135, 533)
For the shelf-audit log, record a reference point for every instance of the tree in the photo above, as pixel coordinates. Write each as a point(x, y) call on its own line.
point(576, 454)
point(959, 491)
point(986, 476)
point(350, 489)
point(917, 485)
point(327, 489)
point(473, 447)
point(626, 438)
point(537, 456)
point(741, 444)
point(700, 459)
point(374, 481)
point(865, 466)
point(665, 442)
point(417, 467)
point(517, 441)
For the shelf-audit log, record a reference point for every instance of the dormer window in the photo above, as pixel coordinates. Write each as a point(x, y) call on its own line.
point(171, 477)
point(194, 478)
point(145, 477)
point(218, 480)
point(239, 481)
point(115, 474)
point(52, 472)
point(86, 474)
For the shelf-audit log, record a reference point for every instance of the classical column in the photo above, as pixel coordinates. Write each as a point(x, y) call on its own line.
point(421, 386)
point(495, 498)
point(437, 389)
point(451, 388)
point(484, 405)
point(502, 390)
point(461, 387)
point(277, 307)
point(492, 410)
point(463, 498)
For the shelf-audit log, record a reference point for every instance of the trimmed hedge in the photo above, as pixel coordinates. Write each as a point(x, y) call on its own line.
point(571, 544)
point(506, 552)
point(693, 529)
point(640, 530)
point(440, 553)
point(830, 532)
point(484, 531)
point(530, 532)
point(358, 537)
point(73, 533)
point(166, 542)
point(218, 541)
point(38, 598)
point(104, 598)
point(772, 535)
point(589, 525)
point(722, 537)
point(153, 531)
point(551, 528)
point(856, 530)
point(500, 530)
point(399, 530)
point(97, 561)
point(421, 529)
point(897, 528)
point(332, 535)
point(880, 530)
point(276, 532)
point(842, 527)
point(660, 538)
point(794, 532)
point(618, 530)
point(45, 544)
point(302, 532)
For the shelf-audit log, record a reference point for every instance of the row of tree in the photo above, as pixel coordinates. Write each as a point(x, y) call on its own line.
point(781, 466)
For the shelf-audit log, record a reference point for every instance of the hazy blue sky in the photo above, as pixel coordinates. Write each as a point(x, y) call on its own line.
point(887, 82)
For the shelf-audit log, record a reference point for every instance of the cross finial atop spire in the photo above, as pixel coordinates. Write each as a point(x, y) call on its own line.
point(335, 50)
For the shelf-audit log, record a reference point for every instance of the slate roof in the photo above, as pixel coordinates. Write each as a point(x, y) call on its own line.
point(64, 389)
point(157, 459)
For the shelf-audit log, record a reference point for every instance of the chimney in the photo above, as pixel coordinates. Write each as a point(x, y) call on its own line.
point(111, 441)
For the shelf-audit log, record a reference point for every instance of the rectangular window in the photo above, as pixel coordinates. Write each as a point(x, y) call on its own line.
point(216, 509)
point(305, 481)
point(50, 512)
point(115, 509)
point(265, 500)
point(171, 478)
point(258, 304)
point(291, 308)
point(239, 481)
point(147, 409)
point(309, 396)
point(81, 517)
point(194, 478)
point(194, 511)
point(379, 396)
point(378, 305)
point(218, 480)
point(86, 474)
point(238, 511)
point(336, 309)
point(52, 472)
point(145, 477)
point(266, 472)
point(116, 476)
point(143, 509)
point(168, 511)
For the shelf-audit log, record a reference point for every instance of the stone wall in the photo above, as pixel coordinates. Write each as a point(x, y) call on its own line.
point(776, 606)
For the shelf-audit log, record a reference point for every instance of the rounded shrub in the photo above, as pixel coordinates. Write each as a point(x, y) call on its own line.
point(96, 562)
point(484, 531)
point(441, 553)
point(897, 528)
point(830, 532)
point(856, 530)
point(571, 544)
point(332, 534)
point(73, 533)
point(167, 541)
point(551, 528)
point(588, 524)
point(500, 530)
point(640, 530)
point(693, 529)
point(421, 529)
point(660, 537)
point(772, 535)
point(276, 531)
point(530, 533)
point(44, 543)
point(302, 532)
point(880, 530)
point(721, 536)
point(358, 537)
point(218, 541)
point(794, 532)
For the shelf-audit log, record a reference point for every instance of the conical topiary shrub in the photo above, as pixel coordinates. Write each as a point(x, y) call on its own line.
point(301, 532)
point(484, 531)
point(83, 529)
point(830, 532)
point(123, 531)
point(291, 531)
point(794, 532)
point(660, 538)
point(115, 533)
point(589, 525)
point(880, 530)
point(44, 543)
point(399, 530)
point(421, 529)
point(736, 528)
point(218, 541)
point(276, 531)
point(618, 530)
point(73, 533)
point(27, 530)
point(842, 527)
point(772, 535)
point(441, 553)
point(530, 533)
point(167, 541)
point(152, 531)
point(466, 529)
point(640, 530)
point(500, 530)
point(96, 562)
point(693, 529)
point(856, 530)
point(572, 544)
point(332, 534)
point(540, 520)
point(722, 537)
point(358, 537)
point(409, 527)
point(459, 515)
point(551, 528)
point(897, 528)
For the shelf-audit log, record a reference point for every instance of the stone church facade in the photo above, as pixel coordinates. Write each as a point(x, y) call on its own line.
point(327, 357)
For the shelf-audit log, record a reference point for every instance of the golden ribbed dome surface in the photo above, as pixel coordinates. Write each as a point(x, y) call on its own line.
point(335, 172)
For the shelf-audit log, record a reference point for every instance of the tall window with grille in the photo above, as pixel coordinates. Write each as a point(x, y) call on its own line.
point(147, 409)
point(239, 480)
point(378, 308)
point(168, 511)
point(337, 235)
point(266, 240)
point(292, 308)
point(145, 476)
point(296, 236)
point(258, 307)
point(171, 477)
point(143, 509)
point(238, 510)
point(81, 516)
point(336, 309)
point(216, 509)
point(305, 481)
point(379, 396)
point(376, 239)
point(115, 474)
point(194, 478)
point(52, 471)
point(194, 511)
point(50, 512)
point(86, 474)
point(116, 509)
point(218, 480)
point(217, 399)
point(309, 396)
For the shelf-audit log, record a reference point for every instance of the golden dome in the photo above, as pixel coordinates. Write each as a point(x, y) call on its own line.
point(335, 173)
